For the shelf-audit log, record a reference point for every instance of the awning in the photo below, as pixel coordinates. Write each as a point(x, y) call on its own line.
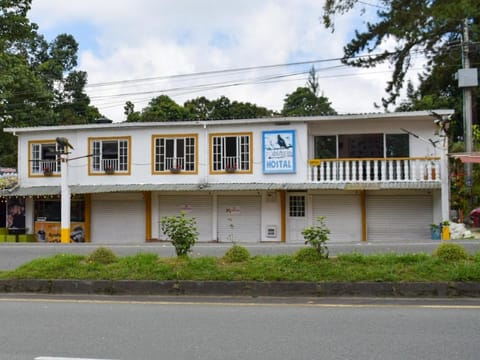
point(96, 189)
point(467, 158)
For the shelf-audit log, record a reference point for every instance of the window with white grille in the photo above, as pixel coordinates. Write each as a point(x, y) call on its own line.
point(175, 153)
point(297, 206)
point(44, 159)
point(231, 152)
point(109, 155)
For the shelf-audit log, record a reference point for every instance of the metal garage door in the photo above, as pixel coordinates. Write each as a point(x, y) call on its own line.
point(399, 217)
point(198, 207)
point(118, 221)
point(343, 216)
point(239, 218)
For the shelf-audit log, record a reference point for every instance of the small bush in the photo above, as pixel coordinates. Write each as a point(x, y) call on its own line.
point(450, 252)
point(181, 230)
point(102, 255)
point(316, 236)
point(306, 255)
point(236, 253)
point(476, 257)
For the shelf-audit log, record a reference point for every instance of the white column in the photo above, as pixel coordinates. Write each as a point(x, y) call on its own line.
point(444, 177)
point(65, 201)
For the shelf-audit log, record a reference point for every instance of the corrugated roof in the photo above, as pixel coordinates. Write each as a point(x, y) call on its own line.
point(193, 122)
point(95, 189)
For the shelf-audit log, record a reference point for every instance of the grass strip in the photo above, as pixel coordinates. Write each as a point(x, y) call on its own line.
point(349, 267)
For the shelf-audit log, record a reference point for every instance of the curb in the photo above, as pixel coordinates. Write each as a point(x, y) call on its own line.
point(242, 288)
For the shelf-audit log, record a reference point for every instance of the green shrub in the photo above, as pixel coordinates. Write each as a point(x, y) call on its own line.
point(306, 255)
point(316, 236)
point(450, 252)
point(181, 230)
point(102, 255)
point(236, 253)
point(476, 257)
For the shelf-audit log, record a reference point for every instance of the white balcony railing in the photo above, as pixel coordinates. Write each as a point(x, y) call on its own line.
point(377, 170)
point(49, 166)
point(174, 163)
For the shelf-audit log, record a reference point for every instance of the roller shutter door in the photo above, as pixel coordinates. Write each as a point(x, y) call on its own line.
point(343, 216)
point(198, 207)
point(399, 217)
point(118, 221)
point(239, 218)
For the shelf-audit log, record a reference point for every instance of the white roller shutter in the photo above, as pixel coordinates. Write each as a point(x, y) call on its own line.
point(399, 217)
point(194, 206)
point(117, 221)
point(343, 216)
point(239, 218)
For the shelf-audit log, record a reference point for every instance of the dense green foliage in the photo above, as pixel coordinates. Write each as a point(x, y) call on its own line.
point(236, 253)
point(102, 255)
point(451, 252)
point(304, 101)
point(181, 230)
point(163, 108)
point(348, 267)
point(38, 81)
point(432, 28)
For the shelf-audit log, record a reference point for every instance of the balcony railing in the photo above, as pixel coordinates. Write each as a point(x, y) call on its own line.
point(48, 167)
point(174, 163)
point(362, 170)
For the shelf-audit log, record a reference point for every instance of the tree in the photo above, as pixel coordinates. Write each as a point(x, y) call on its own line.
point(129, 111)
point(200, 108)
point(223, 108)
point(417, 26)
point(14, 24)
point(163, 108)
point(303, 102)
point(38, 81)
point(312, 81)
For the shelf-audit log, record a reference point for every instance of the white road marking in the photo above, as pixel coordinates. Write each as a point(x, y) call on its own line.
point(64, 358)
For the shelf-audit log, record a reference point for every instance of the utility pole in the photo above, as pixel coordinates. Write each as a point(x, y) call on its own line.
point(467, 102)
point(467, 80)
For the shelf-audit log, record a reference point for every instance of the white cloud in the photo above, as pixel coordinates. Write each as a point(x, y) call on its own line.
point(137, 39)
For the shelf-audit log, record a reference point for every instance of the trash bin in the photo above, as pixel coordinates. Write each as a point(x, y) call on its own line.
point(436, 231)
point(445, 232)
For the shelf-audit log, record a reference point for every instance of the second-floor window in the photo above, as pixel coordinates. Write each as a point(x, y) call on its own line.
point(109, 155)
point(174, 153)
point(231, 152)
point(43, 158)
point(361, 146)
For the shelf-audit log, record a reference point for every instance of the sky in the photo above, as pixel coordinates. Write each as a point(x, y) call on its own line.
point(256, 51)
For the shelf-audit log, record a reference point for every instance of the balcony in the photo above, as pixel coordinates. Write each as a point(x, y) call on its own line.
point(365, 171)
point(47, 167)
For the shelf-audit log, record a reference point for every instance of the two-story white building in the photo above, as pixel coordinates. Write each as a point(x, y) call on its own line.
point(375, 177)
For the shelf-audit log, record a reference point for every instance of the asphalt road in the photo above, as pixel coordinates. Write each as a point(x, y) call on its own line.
point(13, 255)
point(144, 329)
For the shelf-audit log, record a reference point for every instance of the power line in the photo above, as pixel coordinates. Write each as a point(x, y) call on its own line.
point(222, 71)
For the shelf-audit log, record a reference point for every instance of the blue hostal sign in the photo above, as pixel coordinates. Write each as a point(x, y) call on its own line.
point(278, 151)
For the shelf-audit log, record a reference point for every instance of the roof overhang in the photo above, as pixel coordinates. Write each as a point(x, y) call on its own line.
point(271, 121)
point(97, 189)
point(467, 158)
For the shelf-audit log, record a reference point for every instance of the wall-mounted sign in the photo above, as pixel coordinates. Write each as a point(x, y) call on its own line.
point(278, 151)
point(186, 208)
